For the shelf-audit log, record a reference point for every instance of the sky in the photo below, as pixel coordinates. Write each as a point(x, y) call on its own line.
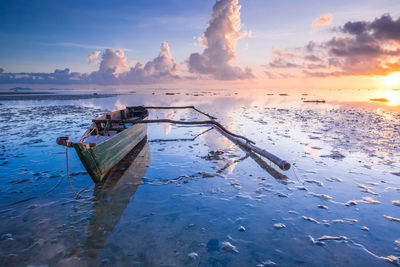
point(224, 43)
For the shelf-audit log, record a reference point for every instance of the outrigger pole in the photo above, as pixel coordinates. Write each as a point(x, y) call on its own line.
point(237, 139)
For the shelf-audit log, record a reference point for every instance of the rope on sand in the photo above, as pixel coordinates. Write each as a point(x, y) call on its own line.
point(69, 178)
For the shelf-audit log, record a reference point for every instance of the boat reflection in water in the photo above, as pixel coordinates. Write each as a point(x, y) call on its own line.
point(113, 196)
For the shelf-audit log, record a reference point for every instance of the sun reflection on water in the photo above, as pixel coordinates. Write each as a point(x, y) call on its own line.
point(392, 96)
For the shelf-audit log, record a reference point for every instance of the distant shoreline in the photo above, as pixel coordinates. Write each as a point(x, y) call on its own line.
point(51, 96)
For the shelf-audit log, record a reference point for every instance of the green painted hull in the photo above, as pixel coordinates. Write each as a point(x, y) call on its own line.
point(100, 159)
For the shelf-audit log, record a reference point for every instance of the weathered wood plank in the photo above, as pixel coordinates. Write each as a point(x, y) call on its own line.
point(100, 159)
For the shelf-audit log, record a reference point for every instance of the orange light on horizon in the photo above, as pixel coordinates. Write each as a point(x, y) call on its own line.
point(392, 96)
point(392, 79)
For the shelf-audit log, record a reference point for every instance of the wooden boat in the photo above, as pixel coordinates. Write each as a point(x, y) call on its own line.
point(106, 142)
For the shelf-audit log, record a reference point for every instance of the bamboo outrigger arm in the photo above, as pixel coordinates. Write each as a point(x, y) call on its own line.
point(282, 164)
point(182, 122)
point(184, 107)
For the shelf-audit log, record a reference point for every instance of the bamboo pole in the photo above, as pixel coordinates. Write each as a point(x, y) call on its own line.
point(238, 139)
point(282, 164)
point(182, 122)
point(184, 107)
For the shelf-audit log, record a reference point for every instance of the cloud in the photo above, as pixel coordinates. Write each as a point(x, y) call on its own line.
point(219, 41)
point(87, 46)
point(384, 28)
point(321, 21)
point(57, 77)
point(358, 48)
point(163, 67)
point(367, 48)
point(113, 69)
point(93, 56)
point(310, 46)
point(281, 63)
point(270, 75)
point(313, 58)
point(273, 76)
point(279, 53)
point(111, 64)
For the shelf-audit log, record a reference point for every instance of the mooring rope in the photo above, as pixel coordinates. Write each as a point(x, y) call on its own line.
point(69, 178)
point(295, 174)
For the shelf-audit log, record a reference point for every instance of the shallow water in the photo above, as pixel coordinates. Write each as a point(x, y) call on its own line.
point(176, 203)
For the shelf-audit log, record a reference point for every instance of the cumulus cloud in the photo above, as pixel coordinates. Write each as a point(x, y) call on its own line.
point(219, 41)
point(111, 64)
point(321, 21)
point(163, 67)
point(93, 56)
point(114, 63)
point(113, 69)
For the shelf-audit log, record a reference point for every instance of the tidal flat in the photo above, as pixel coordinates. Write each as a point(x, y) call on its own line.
point(188, 196)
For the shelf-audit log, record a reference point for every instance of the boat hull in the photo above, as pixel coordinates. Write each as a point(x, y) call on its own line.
point(100, 159)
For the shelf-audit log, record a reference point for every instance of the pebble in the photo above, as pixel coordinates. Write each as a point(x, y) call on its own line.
point(392, 259)
point(323, 196)
point(332, 179)
point(301, 187)
point(227, 246)
point(396, 202)
point(267, 263)
point(314, 182)
point(390, 218)
point(310, 219)
point(351, 203)
point(33, 206)
point(370, 200)
point(316, 242)
point(5, 236)
point(193, 255)
point(279, 226)
point(328, 237)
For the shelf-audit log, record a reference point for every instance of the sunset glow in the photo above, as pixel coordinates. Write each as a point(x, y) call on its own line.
point(392, 96)
point(392, 79)
point(217, 44)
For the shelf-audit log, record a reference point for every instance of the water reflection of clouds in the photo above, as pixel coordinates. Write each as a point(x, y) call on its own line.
point(188, 190)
